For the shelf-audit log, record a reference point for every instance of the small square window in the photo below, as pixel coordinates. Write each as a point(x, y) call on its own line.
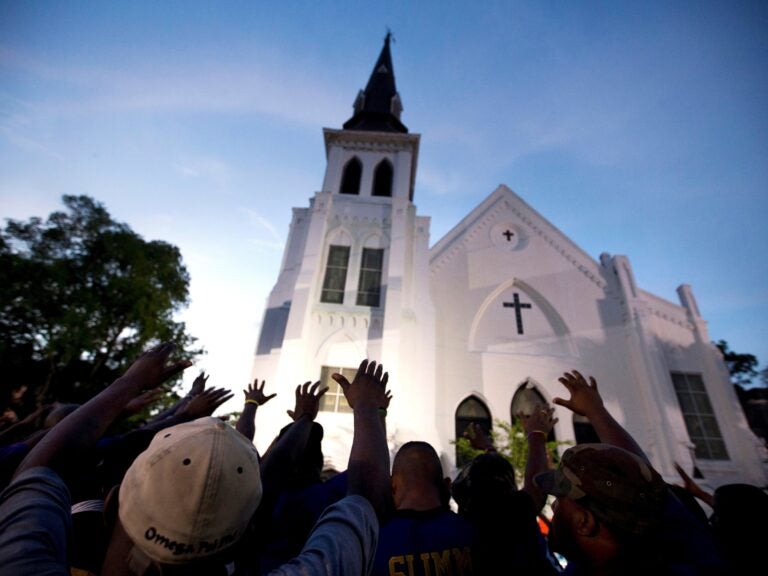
point(334, 400)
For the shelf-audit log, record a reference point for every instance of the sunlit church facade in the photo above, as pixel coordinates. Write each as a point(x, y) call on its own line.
point(482, 323)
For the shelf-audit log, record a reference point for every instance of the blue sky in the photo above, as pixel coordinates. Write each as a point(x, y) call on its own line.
point(637, 128)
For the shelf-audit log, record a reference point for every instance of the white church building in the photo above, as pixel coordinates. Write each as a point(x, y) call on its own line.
point(483, 322)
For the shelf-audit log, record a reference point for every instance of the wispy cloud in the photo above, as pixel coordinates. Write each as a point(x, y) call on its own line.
point(254, 216)
point(211, 169)
point(195, 85)
point(440, 182)
point(19, 130)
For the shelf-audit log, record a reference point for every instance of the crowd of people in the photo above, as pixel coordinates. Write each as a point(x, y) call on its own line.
point(187, 493)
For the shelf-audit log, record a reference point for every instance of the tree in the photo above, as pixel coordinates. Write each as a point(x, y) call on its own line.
point(753, 396)
point(741, 367)
point(82, 296)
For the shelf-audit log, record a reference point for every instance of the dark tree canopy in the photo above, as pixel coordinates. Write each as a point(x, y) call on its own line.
point(751, 390)
point(82, 296)
point(741, 367)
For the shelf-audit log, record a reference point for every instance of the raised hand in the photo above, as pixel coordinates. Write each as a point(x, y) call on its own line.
point(151, 368)
point(199, 384)
point(205, 403)
point(307, 400)
point(254, 397)
point(477, 437)
point(143, 400)
point(540, 421)
point(585, 399)
point(369, 387)
point(255, 393)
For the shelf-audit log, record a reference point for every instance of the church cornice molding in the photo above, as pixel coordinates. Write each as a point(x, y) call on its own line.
point(666, 310)
point(672, 319)
point(640, 313)
point(359, 224)
point(371, 141)
point(360, 146)
point(355, 218)
point(348, 318)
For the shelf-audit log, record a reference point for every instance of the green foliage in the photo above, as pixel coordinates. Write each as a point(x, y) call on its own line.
point(741, 367)
point(82, 296)
point(510, 442)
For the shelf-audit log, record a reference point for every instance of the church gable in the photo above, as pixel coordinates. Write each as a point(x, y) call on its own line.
point(512, 283)
point(506, 223)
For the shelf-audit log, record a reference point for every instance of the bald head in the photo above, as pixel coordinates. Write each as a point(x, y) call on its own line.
point(417, 477)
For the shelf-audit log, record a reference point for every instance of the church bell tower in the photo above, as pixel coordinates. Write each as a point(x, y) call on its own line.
point(354, 280)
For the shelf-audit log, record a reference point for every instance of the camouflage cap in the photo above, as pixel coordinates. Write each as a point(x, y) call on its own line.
point(618, 487)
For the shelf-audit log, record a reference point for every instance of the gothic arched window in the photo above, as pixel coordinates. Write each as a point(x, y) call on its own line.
point(350, 181)
point(526, 399)
point(382, 179)
point(471, 410)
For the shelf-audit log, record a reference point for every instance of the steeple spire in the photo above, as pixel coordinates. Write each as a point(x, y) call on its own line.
point(378, 107)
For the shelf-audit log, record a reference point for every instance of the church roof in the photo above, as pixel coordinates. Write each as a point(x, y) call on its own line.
point(378, 107)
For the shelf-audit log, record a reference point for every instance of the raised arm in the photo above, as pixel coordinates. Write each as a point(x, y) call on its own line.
point(537, 426)
point(281, 456)
point(478, 439)
point(254, 397)
point(368, 470)
point(694, 489)
point(80, 430)
point(586, 400)
point(203, 404)
point(22, 429)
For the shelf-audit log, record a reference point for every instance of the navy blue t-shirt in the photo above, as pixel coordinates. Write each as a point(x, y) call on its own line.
point(436, 541)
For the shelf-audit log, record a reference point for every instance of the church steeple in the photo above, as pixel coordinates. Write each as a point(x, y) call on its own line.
point(378, 107)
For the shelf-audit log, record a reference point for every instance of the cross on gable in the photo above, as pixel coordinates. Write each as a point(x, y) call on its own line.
point(508, 234)
point(518, 306)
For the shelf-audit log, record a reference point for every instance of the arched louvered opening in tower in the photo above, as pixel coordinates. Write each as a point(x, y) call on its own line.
point(382, 179)
point(350, 181)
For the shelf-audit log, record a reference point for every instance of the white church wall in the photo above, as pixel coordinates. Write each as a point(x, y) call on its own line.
point(294, 251)
point(692, 355)
point(574, 320)
point(684, 345)
point(504, 298)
